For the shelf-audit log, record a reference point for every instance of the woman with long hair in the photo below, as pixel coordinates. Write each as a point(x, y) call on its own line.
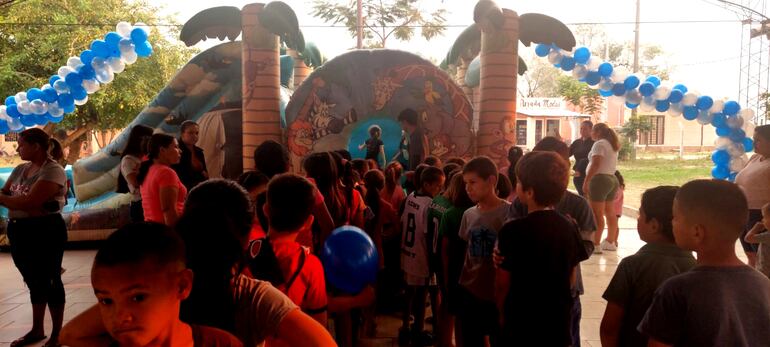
point(191, 168)
point(601, 185)
point(130, 161)
point(514, 154)
point(754, 180)
point(393, 191)
point(35, 194)
point(163, 194)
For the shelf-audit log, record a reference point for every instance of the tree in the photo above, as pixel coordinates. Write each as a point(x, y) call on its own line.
point(632, 128)
point(540, 80)
point(587, 100)
point(52, 31)
point(383, 19)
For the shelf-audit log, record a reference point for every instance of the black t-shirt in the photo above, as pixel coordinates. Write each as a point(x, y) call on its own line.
point(580, 149)
point(416, 148)
point(542, 248)
point(373, 148)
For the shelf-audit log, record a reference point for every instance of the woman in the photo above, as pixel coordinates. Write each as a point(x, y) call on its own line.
point(514, 154)
point(191, 168)
point(130, 160)
point(34, 195)
point(601, 185)
point(754, 179)
point(163, 194)
point(221, 296)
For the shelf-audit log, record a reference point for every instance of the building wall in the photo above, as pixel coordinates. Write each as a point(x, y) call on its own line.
point(565, 129)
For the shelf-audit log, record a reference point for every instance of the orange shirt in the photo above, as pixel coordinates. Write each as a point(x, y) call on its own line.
point(160, 176)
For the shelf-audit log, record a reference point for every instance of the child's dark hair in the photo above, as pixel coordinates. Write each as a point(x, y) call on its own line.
point(409, 115)
point(186, 125)
point(157, 141)
point(36, 136)
point(449, 169)
point(456, 160)
point(456, 193)
point(271, 158)
point(430, 175)
point(322, 168)
point(432, 161)
point(720, 204)
point(139, 242)
point(374, 129)
point(360, 166)
point(546, 173)
point(552, 144)
point(621, 180)
point(290, 200)
point(482, 166)
point(504, 187)
point(56, 152)
point(514, 155)
point(344, 153)
point(136, 146)
point(417, 175)
point(658, 204)
point(374, 181)
point(252, 179)
point(393, 174)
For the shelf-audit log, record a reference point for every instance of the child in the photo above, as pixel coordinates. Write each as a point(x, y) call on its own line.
point(438, 208)
point(415, 254)
point(549, 261)
point(759, 234)
point(630, 292)
point(480, 224)
point(255, 183)
point(721, 300)
point(618, 210)
point(418, 142)
point(375, 148)
point(140, 279)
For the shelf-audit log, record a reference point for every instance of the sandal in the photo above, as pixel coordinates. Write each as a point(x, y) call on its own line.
point(51, 343)
point(27, 340)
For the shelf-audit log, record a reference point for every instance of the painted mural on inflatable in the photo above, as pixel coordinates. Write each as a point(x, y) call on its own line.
point(335, 106)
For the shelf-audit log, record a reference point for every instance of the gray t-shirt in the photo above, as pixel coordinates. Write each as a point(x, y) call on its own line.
point(130, 164)
point(21, 183)
point(763, 256)
point(480, 229)
point(711, 306)
point(260, 308)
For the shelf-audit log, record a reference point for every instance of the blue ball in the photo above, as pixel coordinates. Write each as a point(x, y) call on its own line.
point(654, 80)
point(690, 112)
point(631, 106)
point(12, 111)
point(10, 101)
point(4, 127)
point(731, 108)
point(28, 120)
point(350, 259)
point(542, 50)
point(662, 105)
point(618, 89)
point(723, 131)
point(74, 80)
point(86, 57)
point(66, 100)
point(567, 63)
point(675, 96)
point(720, 172)
point(79, 93)
point(34, 94)
point(646, 89)
point(100, 49)
point(737, 135)
point(704, 102)
point(112, 38)
point(605, 93)
point(69, 108)
point(719, 120)
point(87, 72)
point(631, 82)
point(582, 55)
point(143, 49)
point(721, 157)
point(605, 69)
point(50, 95)
point(681, 88)
point(593, 78)
point(138, 35)
point(748, 144)
point(53, 79)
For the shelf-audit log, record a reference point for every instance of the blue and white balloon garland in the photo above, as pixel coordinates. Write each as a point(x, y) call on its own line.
point(733, 125)
point(72, 83)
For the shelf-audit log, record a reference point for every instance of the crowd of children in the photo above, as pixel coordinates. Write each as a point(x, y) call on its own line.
point(497, 252)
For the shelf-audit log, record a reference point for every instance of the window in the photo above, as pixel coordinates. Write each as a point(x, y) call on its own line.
point(654, 136)
point(521, 132)
point(538, 131)
point(552, 128)
point(12, 136)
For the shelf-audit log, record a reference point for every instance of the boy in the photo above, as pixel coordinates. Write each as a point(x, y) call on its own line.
point(722, 300)
point(415, 254)
point(539, 312)
point(140, 278)
point(630, 292)
point(418, 142)
point(759, 234)
point(479, 226)
point(438, 208)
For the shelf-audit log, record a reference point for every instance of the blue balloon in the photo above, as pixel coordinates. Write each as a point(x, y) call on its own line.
point(720, 172)
point(731, 108)
point(704, 102)
point(631, 106)
point(50, 95)
point(10, 101)
point(138, 35)
point(723, 131)
point(12, 111)
point(719, 120)
point(34, 94)
point(40, 119)
point(350, 259)
point(721, 157)
point(542, 50)
point(66, 100)
point(112, 38)
point(675, 96)
point(690, 112)
point(631, 82)
point(605, 93)
point(605, 69)
point(748, 144)
point(100, 49)
point(86, 58)
point(53, 79)
point(737, 135)
point(732, 177)
point(582, 55)
point(53, 119)
point(73, 80)
point(28, 120)
point(87, 72)
point(593, 78)
point(69, 108)
point(681, 88)
point(662, 105)
point(646, 89)
point(79, 93)
point(4, 127)
point(145, 50)
point(567, 63)
point(654, 80)
point(618, 89)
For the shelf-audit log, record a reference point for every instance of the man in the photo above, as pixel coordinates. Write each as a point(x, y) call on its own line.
point(580, 149)
point(418, 143)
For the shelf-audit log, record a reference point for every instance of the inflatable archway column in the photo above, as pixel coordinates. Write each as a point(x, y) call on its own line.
point(261, 75)
point(499, 68)
point(301, 70)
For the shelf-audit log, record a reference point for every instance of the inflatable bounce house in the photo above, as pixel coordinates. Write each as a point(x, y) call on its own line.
point(245, 92)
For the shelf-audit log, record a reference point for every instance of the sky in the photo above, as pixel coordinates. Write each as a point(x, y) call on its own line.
point(704, 56)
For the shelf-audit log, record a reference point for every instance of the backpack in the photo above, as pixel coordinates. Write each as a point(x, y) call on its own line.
point(263, 264)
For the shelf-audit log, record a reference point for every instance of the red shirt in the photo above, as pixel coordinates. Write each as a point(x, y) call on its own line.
point(160, 176)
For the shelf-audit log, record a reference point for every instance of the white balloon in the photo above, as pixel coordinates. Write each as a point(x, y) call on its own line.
point(735, 122)
point(19, 97)
point(633, 97)
point(38, 107)
point(747, 114)
point(593, 63)
point(15, 124)
point(64, 71)
point(675, 110)
point(24, 107)
point(690, 98)
point(718, 106)
point(748, 127)
point(98, 63)
point(662, 92)
point(61, 87)
point(55, 110)
point(605, 84)
point(579, 71)
point(91, 86)
point(46, 86)
point(124, 29)
point(647, 105)
point(737, 164)
point(126, 45)
point(116, 65)
point(704, 118)
point(81, 102)
point(3, 113)
point(555, 56)
point(619, 74)
point(129, 57)
point(735, 149)
point(105, 76)
point(74, 62)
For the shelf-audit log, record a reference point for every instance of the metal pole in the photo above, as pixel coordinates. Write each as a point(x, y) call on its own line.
point(359, 25)
point(636, 38)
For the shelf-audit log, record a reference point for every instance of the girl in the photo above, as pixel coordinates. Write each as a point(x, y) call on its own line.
point(601, 185)
point(130, 160)
point(163, 194)
point(192, 165)
point(375, 148)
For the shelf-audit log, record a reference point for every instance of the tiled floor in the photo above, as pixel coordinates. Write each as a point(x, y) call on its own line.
point(15, 311)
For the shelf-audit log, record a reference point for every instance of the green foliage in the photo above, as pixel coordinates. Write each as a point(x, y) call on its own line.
point(579, 94)
point(31, 53)
point(540, 80)
point(634, 126)
point(383, 19)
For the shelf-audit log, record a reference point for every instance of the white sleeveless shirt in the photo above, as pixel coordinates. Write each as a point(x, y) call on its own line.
point(754, 180)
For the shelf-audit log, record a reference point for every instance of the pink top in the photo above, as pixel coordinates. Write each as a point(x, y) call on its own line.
point(619, 201)
point(160, 176)
point(397, 198)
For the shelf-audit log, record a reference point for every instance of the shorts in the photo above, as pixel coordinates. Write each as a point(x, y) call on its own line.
point(755, 216)
point(603, 188)
point(420, 281)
